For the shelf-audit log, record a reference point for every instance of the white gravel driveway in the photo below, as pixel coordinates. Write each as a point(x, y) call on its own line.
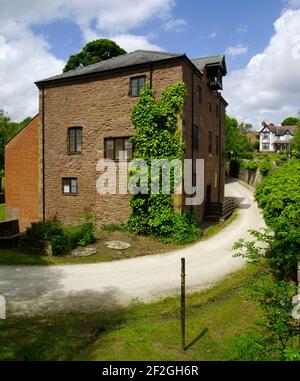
point(38, 289)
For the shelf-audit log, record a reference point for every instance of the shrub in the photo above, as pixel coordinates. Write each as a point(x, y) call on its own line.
point(184, 230)
point(246, 155)
point(235, 164)
point(265, 167)
point(115, 227)
point(62, 239)
point(38, 234)
point(82, 235)
point(249, 164)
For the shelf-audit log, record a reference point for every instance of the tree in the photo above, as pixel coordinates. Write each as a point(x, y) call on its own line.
point(8, 129)
point(236, 140)
point(245, 127)
point(296, 141)
point(290, 121)
point(92, 52)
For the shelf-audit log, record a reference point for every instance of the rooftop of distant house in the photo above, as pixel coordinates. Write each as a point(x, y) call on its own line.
point(278, 130)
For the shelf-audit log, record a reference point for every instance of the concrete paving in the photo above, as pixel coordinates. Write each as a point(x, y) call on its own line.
point(40, 289)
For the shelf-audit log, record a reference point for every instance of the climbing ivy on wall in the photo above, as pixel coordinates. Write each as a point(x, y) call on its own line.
point(157, 137)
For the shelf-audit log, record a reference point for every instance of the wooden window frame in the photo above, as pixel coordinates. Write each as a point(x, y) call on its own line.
point(199, 94)
point(114, 148)
point(69, 179)
point(76, 151)
point(138, 77)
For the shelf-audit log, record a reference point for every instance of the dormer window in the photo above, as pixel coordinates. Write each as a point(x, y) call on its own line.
point(215, 78)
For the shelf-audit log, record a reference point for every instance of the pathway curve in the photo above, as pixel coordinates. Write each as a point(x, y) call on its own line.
point(32, 289)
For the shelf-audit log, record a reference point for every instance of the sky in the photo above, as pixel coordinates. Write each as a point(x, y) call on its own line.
point(261, 40)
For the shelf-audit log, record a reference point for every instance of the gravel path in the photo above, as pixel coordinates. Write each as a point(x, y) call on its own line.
point(39, 289)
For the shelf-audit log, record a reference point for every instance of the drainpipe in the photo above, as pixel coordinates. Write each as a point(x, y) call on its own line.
point(220, 149)
point(151, 75)
point(43, 153)
point(193, 164)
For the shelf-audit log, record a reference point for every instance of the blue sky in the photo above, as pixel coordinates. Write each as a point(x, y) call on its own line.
point(260, 40)
point(211, 26)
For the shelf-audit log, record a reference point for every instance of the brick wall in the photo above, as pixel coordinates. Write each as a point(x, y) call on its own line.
point(197, 113)
point(22, 173)
point(102, 107)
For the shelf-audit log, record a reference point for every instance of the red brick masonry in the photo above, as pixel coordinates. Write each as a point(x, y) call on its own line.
point(22, 174)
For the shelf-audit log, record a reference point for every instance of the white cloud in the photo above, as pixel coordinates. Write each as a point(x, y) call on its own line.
point(132, 42)
point(212, 35)
point(25, 57)
point(236, 50)
point(268, 88)
point(242, 29)
point(22, 62)
point(175, 24)
point(292, 3)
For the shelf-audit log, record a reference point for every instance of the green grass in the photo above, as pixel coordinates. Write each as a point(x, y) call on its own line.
point(140, 246)
point(141, 332)
point(2, 212)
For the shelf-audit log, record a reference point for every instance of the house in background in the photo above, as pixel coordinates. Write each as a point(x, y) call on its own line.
point(275, 138)
point(85, 115)
point(253, 137)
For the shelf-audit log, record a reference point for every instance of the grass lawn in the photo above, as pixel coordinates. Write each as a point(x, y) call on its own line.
point(140, 246)
point(141, 332)
point(2, 212)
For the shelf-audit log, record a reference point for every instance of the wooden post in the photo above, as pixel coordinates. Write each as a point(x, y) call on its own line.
point(182, 314)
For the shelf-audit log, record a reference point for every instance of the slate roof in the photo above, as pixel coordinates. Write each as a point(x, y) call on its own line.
point(137, 57)
point(201, 63)
point(279, 130)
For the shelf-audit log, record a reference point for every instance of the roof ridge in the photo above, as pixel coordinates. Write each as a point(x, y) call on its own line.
point(125, 54)
point(159, 52)
point(203, 58)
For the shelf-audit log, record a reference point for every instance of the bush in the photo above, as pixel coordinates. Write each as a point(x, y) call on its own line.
point(279, 197)
point(249, 164)
point(246, 155)
point(184, 230)
point(115, 227)
point(265, 167)
point(81, 235)
point(39, 233)
point(62, 239)
point(235, 164)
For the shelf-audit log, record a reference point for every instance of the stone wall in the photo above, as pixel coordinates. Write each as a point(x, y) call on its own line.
point(102, 107)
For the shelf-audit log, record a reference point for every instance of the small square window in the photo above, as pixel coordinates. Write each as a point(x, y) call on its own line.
point(136, 85)
point(69, 186)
